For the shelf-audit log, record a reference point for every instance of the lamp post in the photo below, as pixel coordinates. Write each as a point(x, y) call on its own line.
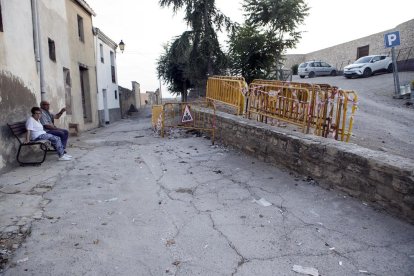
point(121, 46)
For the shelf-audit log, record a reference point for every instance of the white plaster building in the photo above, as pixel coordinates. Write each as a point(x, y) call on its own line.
point(108, 92)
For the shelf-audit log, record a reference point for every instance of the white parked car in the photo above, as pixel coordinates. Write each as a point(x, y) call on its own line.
point(368, 65)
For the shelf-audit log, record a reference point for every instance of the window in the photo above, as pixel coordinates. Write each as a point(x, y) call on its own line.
point(52, 51)
point(80, 29)
point(116, 94)
point(375, 59)
point(113, 67)
point(101, 52)
point(1, 20)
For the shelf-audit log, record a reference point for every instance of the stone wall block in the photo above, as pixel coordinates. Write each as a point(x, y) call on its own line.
point(351, 190)
point(387, 192)
point(380, 176)
point(408, 200)
point(402, 186)
point(313, 169)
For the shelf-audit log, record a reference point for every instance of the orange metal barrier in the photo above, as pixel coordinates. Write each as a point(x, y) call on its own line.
point(189, 116)
point(228, 90)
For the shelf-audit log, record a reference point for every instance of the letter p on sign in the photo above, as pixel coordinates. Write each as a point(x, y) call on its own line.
point(392, 39)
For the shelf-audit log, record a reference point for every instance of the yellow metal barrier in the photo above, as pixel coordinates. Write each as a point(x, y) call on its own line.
point(227, 90)
point(189, 116)
point(326, 109)
point(334, 113)
point(230, 78)
point(156, 113)
point(283, 103)
point(330, 110)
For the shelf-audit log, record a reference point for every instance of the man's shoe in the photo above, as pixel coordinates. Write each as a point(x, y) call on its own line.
point(67, 155)
point(64, 158)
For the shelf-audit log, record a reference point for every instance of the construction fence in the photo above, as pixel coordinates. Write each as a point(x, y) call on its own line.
point(185, 115)
point(228, 90)
point(320, 109)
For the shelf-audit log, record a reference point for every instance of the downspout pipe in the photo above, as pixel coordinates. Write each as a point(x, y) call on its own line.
point(95, 32)
point(38, 48)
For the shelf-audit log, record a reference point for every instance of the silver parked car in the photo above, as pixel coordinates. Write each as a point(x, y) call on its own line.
point(316, 68)
point(368, 65)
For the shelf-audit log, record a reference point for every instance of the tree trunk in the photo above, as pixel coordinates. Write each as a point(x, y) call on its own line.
point(184, 93)
point(207, 29)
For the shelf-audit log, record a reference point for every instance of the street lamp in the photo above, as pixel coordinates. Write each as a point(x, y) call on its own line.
point(121, 46)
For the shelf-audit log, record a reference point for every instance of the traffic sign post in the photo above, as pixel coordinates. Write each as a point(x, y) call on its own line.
point(187, 117)
point(397, 94)
point(392, 40)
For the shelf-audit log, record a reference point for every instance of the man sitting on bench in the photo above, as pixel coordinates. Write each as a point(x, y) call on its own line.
point(36, 132)
point(48, 122)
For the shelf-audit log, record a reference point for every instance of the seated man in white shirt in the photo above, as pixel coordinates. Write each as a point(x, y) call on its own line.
point(35, 132)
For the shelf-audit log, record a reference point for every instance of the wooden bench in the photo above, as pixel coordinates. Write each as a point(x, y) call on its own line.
point(19, 131)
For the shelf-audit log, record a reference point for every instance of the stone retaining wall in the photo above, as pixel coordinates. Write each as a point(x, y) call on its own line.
point(374, 176)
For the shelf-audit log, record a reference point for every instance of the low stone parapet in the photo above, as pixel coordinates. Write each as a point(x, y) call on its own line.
point(374, 176)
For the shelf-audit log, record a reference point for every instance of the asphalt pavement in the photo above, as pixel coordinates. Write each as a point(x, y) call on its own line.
point(133, 203)
point(381, 122)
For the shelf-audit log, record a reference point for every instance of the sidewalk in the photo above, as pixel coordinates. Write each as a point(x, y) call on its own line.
point(131, 203)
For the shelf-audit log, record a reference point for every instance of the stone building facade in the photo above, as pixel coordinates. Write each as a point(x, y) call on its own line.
point(346, 53)
point(129, 99)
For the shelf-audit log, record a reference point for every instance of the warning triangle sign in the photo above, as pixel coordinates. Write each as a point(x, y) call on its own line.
point(187, 115)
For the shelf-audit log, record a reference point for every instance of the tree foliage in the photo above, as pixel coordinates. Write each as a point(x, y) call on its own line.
point(252, 53)
point(256, 48)
point(173, 65)
point(204, 55)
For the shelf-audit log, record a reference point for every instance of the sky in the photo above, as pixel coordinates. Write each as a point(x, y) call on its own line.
point(145, 27)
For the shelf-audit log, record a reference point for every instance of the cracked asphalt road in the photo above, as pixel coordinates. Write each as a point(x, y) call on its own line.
point(132, 203)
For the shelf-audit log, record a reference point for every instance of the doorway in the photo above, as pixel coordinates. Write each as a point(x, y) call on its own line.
point(362, 51)
point(86, 95)
point(105, 103)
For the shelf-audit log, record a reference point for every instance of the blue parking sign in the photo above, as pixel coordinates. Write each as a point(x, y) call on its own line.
point(392, 39)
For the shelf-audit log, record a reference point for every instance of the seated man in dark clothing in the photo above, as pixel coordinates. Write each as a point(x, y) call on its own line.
point(48, 122)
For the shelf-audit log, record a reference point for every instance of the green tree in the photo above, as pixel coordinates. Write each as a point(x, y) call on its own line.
point(279, 17)
point(252, 53)
point(173, 65)
point(205, 55)
point(256, 48)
